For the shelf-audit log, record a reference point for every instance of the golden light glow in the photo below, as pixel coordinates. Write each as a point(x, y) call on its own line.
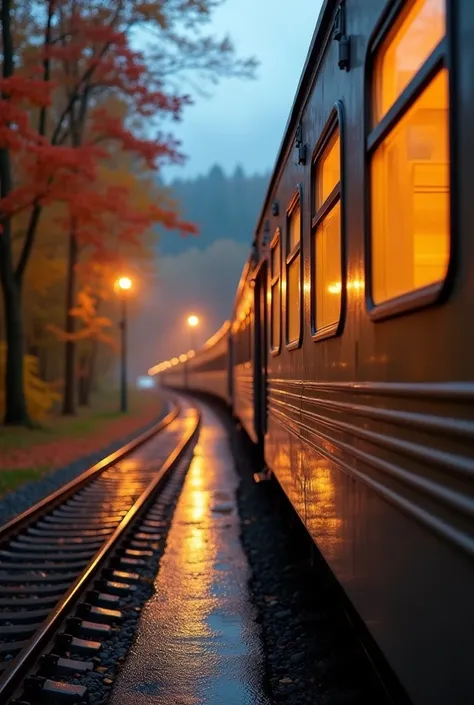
point(124, 283)
point(414, 35)
point(217, 335)
point(328, 237)
point(335, 288)
point(410, 197)
point(328, 169)
point(183, 358)
point(193, 321)
point(174, 361)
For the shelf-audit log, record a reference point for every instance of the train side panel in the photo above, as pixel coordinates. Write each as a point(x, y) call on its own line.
point(370, 421)
point(243, 327)
point(206, 371)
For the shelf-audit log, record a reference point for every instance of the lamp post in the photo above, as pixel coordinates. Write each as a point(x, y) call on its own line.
point(123, 285)
point(193, 322)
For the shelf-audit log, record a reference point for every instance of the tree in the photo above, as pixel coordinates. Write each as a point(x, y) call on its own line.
point(56, 128)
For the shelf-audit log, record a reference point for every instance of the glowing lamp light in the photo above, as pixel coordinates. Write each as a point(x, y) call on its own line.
point(124, 283)
point(193, 321)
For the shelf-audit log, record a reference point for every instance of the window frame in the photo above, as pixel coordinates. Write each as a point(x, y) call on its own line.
point(338, 194)
point(297, 250)
point(272, 280)
point(443, 56)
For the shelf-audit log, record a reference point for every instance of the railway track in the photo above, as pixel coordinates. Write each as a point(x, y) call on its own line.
point(66, 562)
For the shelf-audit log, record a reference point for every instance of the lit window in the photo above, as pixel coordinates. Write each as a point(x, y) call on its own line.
point(410, 163)
point(417, 31)
point(294, 229)
point(328, 170)
point(293, 286)
point(327, 287)
point(275, 293)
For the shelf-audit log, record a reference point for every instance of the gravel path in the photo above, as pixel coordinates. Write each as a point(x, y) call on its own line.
point(30, 493)
point(312, 653)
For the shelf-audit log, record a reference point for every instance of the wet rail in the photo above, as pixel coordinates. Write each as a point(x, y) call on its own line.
point(65, 562)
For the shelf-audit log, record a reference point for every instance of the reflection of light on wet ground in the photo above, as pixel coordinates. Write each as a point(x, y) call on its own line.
point(197, 643)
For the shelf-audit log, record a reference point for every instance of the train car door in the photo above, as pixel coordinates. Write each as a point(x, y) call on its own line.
point(260, 352)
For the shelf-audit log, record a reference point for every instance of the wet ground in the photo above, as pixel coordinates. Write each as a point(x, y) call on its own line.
point(198, 641)
point(244, 610)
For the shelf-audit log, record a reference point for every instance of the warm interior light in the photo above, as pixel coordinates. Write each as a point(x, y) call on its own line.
point(193, 321)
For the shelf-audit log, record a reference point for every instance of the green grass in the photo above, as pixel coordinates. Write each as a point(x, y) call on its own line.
point(104, 409)
point(11, 479)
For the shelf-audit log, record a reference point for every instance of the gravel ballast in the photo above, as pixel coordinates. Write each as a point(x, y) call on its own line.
point(99, 682)
point(313, 655)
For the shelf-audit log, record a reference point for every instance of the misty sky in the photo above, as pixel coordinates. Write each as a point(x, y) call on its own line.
point(242, 122)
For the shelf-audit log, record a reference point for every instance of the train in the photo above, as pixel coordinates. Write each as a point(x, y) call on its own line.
point(348, 356)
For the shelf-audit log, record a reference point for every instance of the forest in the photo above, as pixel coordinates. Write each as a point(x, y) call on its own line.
point(222, 206)
point(85, 133)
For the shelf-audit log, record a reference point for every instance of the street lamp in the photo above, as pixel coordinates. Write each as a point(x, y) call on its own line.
point(193, 322)
point(122, 285)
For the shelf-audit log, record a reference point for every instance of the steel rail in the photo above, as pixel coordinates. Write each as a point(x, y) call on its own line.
point(52, 500)
point(18, 669)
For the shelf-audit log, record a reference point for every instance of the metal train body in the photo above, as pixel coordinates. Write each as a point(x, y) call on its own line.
point(363, 403)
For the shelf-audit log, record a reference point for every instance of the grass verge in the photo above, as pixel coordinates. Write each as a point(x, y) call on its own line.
point(27, 454)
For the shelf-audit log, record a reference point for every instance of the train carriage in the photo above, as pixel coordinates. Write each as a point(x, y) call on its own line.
point(351, 348)
point(205, 370)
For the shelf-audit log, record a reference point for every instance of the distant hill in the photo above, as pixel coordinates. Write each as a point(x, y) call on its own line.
point(223, 207)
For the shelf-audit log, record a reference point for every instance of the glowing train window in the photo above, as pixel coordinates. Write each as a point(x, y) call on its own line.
point(275, 294)
point(326, 224)
point(409, 156)
point(293, 273)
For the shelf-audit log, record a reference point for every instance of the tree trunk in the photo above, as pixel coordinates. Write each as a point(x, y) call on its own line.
point(69, 406)
point(93, 366)
point(83, 382)
point(43, 363)
point(15, 401)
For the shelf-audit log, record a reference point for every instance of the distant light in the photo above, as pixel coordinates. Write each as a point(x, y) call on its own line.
point(145, 382)
point(124, 283)
point(183, 358)
point(193, 321)
point(174, 361)
point(335, 288)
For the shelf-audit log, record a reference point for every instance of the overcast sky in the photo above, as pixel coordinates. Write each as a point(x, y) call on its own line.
point(243, 122)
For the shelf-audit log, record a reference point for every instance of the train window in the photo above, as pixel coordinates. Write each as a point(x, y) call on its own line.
point(275, 294)
point(328, 170)
point(293, 273)
point(410, 191)
point(327, 237)
point(294, 228)
point(412, 38)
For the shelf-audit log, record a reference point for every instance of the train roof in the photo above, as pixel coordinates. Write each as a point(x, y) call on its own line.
point(316, 49)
